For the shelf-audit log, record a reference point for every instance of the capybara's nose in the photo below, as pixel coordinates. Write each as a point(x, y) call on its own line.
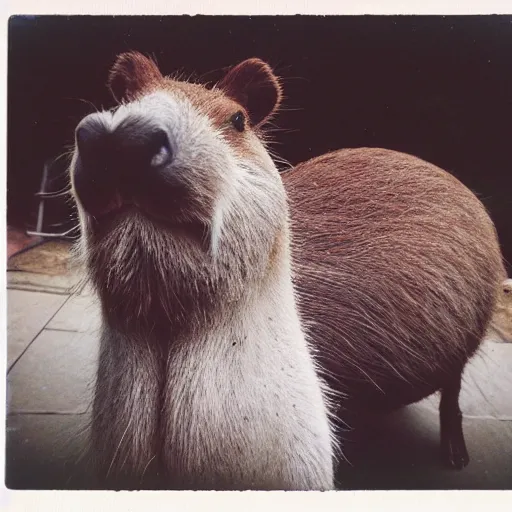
point(134, 145)
point(118, 159)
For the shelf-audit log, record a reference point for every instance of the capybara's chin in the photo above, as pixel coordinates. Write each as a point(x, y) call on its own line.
point(151, 272)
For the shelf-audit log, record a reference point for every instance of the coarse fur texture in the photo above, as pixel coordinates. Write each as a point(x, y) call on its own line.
point(205, 378)
point(407, 264)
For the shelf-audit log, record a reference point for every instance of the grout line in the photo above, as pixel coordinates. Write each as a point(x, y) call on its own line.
point(55, 291)
point(58, 329)
point(488, 417)
point(47, 413)
point(37, 335)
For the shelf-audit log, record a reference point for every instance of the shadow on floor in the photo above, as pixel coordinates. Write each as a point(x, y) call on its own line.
point(400, 451)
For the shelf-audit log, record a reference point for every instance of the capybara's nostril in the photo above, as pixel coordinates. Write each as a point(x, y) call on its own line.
point(160, 147)
point(89, 134)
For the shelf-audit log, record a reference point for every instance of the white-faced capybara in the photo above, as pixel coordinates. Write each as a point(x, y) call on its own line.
point(205, 378)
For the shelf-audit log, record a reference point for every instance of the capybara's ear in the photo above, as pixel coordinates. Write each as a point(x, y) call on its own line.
point(252, 83)
point(132, 73)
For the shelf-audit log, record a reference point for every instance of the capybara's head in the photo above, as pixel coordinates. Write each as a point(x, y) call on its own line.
point(180, 204)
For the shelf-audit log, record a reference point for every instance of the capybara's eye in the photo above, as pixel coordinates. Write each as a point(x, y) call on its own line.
point(238, 121)
point(506, 290)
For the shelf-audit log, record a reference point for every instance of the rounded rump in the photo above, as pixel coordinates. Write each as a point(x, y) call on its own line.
point(396, 264)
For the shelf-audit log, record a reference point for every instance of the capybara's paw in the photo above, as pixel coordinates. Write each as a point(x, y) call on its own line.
point(454, 452)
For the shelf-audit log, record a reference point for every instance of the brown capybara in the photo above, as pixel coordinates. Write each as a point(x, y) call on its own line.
point(396, 265)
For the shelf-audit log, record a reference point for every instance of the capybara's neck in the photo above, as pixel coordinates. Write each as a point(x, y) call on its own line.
point(230, 403)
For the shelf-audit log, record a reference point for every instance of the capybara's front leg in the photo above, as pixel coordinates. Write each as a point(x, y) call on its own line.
point(126, 413)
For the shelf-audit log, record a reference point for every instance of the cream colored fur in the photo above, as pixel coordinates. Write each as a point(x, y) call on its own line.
point(231, 398)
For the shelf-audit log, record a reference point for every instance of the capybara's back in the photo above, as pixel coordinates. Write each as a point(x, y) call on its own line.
point(397, 266)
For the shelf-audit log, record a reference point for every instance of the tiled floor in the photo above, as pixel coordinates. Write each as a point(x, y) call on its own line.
point(52, 350)
point(52, 353)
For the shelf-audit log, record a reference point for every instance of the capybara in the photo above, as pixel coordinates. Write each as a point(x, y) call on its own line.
point(205, 378)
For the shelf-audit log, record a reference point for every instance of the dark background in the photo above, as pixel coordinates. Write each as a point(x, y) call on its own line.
point(436, 87)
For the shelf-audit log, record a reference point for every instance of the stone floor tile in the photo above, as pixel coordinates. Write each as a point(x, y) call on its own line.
point(47, 452)
point(27, 314)
point(487, 384)
point(80, 313)
point(55, 375)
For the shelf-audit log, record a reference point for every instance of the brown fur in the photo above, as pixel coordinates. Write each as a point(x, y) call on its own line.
point(131, 74)
point(247, 77)
point(250, 87)
point(397, 265)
